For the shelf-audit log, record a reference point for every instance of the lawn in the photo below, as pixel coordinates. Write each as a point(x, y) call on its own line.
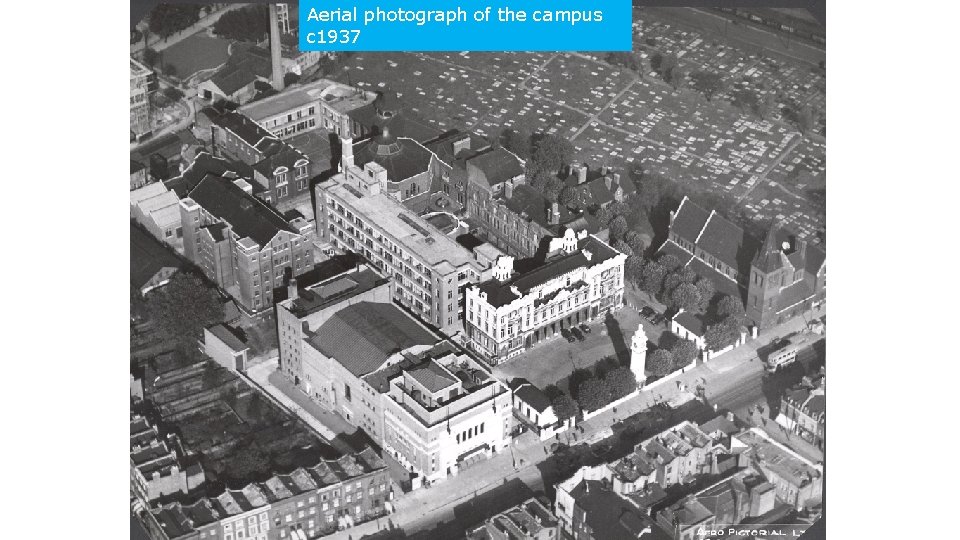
point(196, 53)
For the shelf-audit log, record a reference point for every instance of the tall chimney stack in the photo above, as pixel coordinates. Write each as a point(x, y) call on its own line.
point(346, 153)
point(292, 293)
point(277, 69)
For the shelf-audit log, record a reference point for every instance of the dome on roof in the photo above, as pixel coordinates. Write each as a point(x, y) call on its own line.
point(385, 144)
point(387, 104)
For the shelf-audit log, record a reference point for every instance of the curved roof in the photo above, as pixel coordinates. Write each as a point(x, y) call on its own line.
point(401, 157)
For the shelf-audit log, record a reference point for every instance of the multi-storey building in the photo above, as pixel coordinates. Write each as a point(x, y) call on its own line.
point(242, 244)
point(142, 83)
point(803, 410)
point(675, 456)
point(138, 175)
point(529, 520)
point(777, 280)
point(580, 279)
point(307, 503)
point(280, 171)
point(798, 482)
point(593, 511)
point(428, 269)
point(155, 466)
point(322, 104)
point(430, 406)
point(151, 263)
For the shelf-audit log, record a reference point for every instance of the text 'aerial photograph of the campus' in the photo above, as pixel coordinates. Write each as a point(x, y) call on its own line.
point(477, 295)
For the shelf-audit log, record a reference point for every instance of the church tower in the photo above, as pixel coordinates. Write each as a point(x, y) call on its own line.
point(638, 354)
point(770, 272)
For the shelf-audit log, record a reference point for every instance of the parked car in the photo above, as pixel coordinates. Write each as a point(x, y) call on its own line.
point(577, 333)
point(585, 329)
point(566, 334)
point(648, 313)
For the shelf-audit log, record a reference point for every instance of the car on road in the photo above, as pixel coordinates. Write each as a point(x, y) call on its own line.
point(577, 334)
point(585, 329)
point(566, 334)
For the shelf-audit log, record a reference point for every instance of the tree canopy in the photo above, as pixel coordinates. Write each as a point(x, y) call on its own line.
point(660, 362)
point(246, 24)
point(565, 407)
point(707, 83)
point(593, 394)
point(621, 381)
point(684, 351)
point(184, 307)
point(168, 19)
point(550, 152)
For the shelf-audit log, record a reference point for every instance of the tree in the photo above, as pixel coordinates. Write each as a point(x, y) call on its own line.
point(731, 308)
point(745, 99)
point(706, 289)
point(707, 83)
point(168, 19)
point(633, 267)
point(568, 196)
point(604, 216)
point(660, 362)
point(685, 296)
point(151, 57)
point(565, 407)
point(184, 307)
point(670, 262)
point(290, 78)
point(622, 247)
point(551, 188)
point(170, 70)
point(621, 381)
point(550, 152)
point(173, 93)
point(635, 240)
point(684, 351)
point(246, 24)
point(629, 60)
point(517, 142)
point(721, 335)
point(652, 277)
point(618, 227)
point(593, 394)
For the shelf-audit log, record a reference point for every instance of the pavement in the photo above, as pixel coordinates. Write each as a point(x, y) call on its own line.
point(730, 380)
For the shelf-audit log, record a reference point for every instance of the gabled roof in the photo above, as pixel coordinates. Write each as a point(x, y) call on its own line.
point(364, 335)
point(148, 257)
point(433, 377)
point(248, 216)
point(443, 146)
point(689, 220)
point(533, 396)
point(723, 239)
point(496, 166)
point(284, 156)
point(203, 165)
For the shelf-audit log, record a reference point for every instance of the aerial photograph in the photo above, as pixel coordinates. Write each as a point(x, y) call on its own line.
point(477, 295)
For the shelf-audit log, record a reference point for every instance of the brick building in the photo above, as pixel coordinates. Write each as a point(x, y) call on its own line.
point(306, 503)
point(580, 279)
point(803, 410)
point(777, 279)
point(428, 268)
point(157, 209)
point(431, 407)
point(142, 84)
point(156, 470)
point(321, 104)
point(243, 245)
point(279, 171)
point(798, 482)
point(529, 520)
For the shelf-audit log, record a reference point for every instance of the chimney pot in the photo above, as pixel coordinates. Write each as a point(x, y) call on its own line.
point(292, 292)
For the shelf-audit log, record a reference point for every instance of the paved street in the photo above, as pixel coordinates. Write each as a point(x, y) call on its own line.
point(733, 381)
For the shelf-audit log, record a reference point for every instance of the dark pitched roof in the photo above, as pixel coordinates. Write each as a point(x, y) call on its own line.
point(500, 293)
point(247, 215)
point(769, 257)
point(402, 158)
point(693, 323)
point(723, 239)
point(284, 156)
point(136, 166)
point(794, 294)
point(611, 516)
point(147, 257)
point(443, 146)
point(203, 165)
point(230, 79)
point(248, 130)
point(533, 396)
point(689, 220)
point(362, 336)
point(228, 338)
point(497, 165)
point(720, 423)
